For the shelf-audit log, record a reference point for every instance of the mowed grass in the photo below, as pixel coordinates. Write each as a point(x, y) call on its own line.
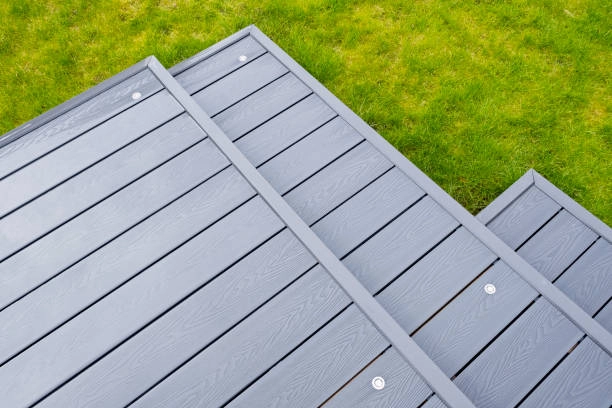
point(473, 92)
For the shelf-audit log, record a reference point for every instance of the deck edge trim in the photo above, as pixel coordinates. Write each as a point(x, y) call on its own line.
point(542, 285)
point(381, 319)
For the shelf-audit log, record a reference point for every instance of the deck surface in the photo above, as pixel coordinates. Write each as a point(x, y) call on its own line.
point(409, 251)
point(132, 244)
point(139, 266)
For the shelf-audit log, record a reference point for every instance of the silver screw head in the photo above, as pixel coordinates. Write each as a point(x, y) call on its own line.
point(489, 288)
point(378, 383)
point(242, 58)
point(136, 96)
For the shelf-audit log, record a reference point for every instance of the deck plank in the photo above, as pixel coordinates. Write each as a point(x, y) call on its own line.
point(239, 84)
point(319, 366)
point(212, 377)
point(589, 280)
point(96, 183)
point(523, 217)
point(82, 340)
point(66, 295)
point(392, 250)
point(582, 380)
point(435, 279)
point(260, 106)
point(374, 206)
point(557, 245)
point(71, 124)
point(219, 64)
point(285, 129)
point(404, 388)
point(160, 348)
point(306, 157)
point(93, 228)
point(335, 183)
point(63, 163)
point(522, 355)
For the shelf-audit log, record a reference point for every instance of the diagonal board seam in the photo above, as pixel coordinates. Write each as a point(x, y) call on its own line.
point(551, 293)
point(381, 319)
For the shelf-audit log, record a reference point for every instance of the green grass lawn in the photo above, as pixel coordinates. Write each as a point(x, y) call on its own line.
point(473, 92)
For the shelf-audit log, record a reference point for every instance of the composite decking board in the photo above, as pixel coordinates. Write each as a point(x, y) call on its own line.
point(75, 289)
point(96, 183)
point(144, 359)
point(240, 83)
point(38, 137)
point(334, 184)
point(373, 207)
point(604, 316)
point(523, 217)
point(307, 156)
point(85, 233)
point(582, 380)
point(559, 243)
point(434, 402)
point(404, 388)
point(594, 266)
point(425, 287)
point(319, 366)
point(84, 151)
point(221, 370)
point(57, 357)
point(219, 64)
point(257, 108)
point(285, 129)
point(520, 357)
point(392, 250)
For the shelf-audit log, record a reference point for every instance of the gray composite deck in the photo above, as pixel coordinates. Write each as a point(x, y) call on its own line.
point(145, 261)
point(145, 237)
